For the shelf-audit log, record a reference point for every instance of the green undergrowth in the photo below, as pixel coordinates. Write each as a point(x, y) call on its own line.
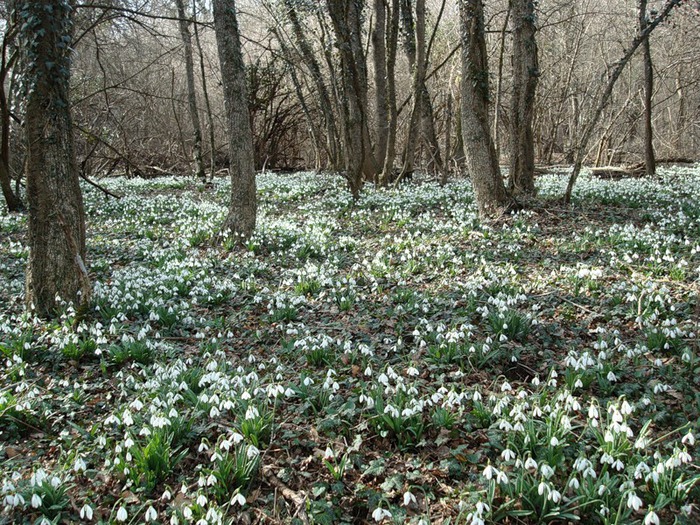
point(390, 360)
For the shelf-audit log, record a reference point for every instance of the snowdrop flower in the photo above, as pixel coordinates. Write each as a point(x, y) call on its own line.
point(329, 454)
point(408, 498)
point(239, 499)
point(36, 501)
point(151, 514)
point(651, 518)
point(79, 465)
point(379, 514)
point(202, 500)
point(166, 495)
point(688, 439)
point(122, 514)
point(633, 501)
point(507, 454)
point(611, 377)
point(86, 512)
point(489, 471)
point(574, 484)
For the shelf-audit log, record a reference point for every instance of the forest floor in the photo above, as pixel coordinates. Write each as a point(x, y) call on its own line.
point(390, 360)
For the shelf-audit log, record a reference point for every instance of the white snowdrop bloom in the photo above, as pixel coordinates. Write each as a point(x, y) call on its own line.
point(633, 501)
point(688, 439)
point(530, 464)
point(507, 454)
point(79, 465)
point(383, 379)
point(489, 471)
point(122, 515)
point(574, 483)
point(167, 496)
point(203, 446)
point(36, 501)
point(476, 396)
point(187, 513)
point(542, 488)
point(618, 465)
point(651, 518)
point(252, 452)
point(214, 412)
point(237, 438)
point(501, 477)
point(535, 381)
point(608, 437)
point(408, 498)
point(86, 512)
point(602, 489)
point(136, 404)
point(329, 454)
point(546, 471)
point(554, 496)
point(151, 514)
point(202, 500)
point(211, 480)
point(626, 408)
point(239, 499)
point(379, 514)
point(412, 371)
point(611, 377)
point(554, 441)
point(505, 387)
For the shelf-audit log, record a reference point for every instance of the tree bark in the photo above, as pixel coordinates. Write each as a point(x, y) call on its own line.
point(649, 157)
point(191, 91)
point(56, 237)
point(490, 191)
point(360, 163)
point(14, 204)
point(240, 221)
point(380, 79)
point(422, 121)
point(525, 75)
point(205, 93)
point(392, 39)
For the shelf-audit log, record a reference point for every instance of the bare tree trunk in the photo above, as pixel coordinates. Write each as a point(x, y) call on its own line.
point(380, 78)
point(649, 157)
point(525, 75)
point(346, 17)
point(191, 91)
point(240, 221)
point(13, 201)
point(448, 138)
point(391, 49)
point(205, 92)
point(56, 265)
point(491, 195)
point(619, 66)
point(414, 29)
point(499, 84)
point(422, 122)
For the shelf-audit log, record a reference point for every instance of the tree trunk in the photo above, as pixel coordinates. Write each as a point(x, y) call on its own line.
point(380, 78)
point(191, 91)
point(205, 92)
point(422, 121)
point(56, 265)
point(240, 221)
point(649, 157)
point(346, 18)
point(14, 204)
point(392, 40)
point(482, 164)
point(580, 150)
point(525, 75)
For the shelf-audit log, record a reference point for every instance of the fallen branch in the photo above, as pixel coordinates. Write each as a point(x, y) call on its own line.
point(287, 493)
point(101, 188)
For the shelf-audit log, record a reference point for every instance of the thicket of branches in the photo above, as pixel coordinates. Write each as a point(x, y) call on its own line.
point(130, 95)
